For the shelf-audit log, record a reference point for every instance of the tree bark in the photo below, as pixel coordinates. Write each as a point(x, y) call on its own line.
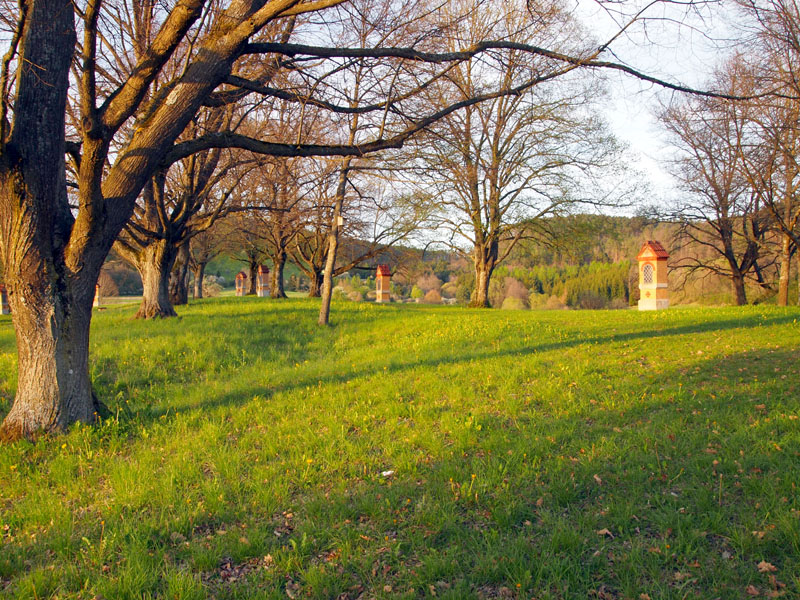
point(278, 263)
point(333, 244)
point(314, 283)
point(54, 388)
point(253, 274)
point(786, 263)
point(484, 257)
point(154, 265)
point(739, 294)
point(199, 272)
point(179, 277)
point(50, 299)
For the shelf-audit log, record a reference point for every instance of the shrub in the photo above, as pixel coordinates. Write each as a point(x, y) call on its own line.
point(338, 294)
point(516, 289)
point(513, 303)
point(429, 282)
point(355, 296)
point(449, 289)
point(591, 301)
point(108, 286)
point(536, 300)
point(417, 293)
point(554, 303)
point(210, 287)
point(432, 297)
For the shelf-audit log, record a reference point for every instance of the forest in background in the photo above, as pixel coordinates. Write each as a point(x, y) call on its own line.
point(580, 261)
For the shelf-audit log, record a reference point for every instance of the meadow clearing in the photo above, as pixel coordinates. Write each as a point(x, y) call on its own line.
point(417, 452)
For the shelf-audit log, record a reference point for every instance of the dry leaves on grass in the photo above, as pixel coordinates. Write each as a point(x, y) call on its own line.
point(605, 532)
point(765, 567)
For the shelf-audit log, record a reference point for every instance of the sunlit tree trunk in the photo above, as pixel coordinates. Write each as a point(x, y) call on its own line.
point(785, 266)
point(179, 277)
point(154, 265)
point(278, 264)
point(198, 272)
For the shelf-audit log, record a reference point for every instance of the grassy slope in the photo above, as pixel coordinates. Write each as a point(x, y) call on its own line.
point(246, 454)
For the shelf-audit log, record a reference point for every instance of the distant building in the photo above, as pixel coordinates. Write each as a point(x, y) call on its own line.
point(653, 282)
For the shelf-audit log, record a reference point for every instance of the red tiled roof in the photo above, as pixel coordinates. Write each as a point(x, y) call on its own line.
point(383, 271)
point(263, 269)
point(241, 275)
point(655, 249)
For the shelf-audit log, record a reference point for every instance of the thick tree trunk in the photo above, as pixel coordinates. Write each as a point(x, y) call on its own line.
point(786, 263)
point(51, 303)
point(314, 284)
point(155, 265)
point(482, 279)
point(53, 389)
point(737, 284)
point(199, 272)
point(252, 275)
point(179, 277)
point(278, 264)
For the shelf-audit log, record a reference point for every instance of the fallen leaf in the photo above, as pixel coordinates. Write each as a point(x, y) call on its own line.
point(596, 477)
point(540, 501)
point(387, 589)
point(752, 590)
point(644, 596)
point(765, 567)
point(605, 531)
point(759, 534)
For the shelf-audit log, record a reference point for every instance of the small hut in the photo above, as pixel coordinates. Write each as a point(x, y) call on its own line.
point(653, 282)
point(241, 283)
point(383, 279)
point(262, 281)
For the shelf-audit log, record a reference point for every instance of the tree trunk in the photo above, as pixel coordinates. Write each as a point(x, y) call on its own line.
point(737, 283)
point(333, 245)
point(278, 263)
point(482, 279)
point(51, 302)
point(53, 389)
point(155, 265)
point(251, 291)
point(179, 277)
point(314, 284)
point(786, 262)
point(199, 272)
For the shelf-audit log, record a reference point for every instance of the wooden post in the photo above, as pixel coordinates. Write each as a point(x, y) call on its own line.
point(653, 281)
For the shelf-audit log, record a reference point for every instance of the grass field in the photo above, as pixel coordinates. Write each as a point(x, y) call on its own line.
point(417, 452)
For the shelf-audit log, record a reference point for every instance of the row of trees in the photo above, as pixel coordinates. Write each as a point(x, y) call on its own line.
point(738, 160)
point(143, 123)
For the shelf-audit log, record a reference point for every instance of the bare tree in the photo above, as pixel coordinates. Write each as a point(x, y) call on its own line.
point(723, 213)
point(500, 166)
point(128, 113)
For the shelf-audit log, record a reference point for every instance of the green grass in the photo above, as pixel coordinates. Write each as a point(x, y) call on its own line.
point(248, 452)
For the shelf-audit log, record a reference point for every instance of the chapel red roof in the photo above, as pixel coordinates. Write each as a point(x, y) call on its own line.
point(263, 269)
point(241, 275)
point(655, 248)
point(384, 271)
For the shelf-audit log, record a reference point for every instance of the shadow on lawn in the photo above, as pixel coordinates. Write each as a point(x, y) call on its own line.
point(447, 358)
point(415, 529)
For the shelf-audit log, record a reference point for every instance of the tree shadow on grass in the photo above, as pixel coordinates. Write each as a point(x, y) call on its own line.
point(447, 358)
point(653, 484)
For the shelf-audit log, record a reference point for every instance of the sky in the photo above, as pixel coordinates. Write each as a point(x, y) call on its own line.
point(672, 45)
